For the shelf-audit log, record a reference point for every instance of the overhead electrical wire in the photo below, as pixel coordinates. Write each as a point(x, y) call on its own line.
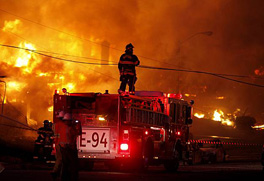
point(54, 29)
point(56, 53)
point(141, 66)
point(44, 53)
point(81, 38)
point(8, 125)
point(202, 72)
point(90, 58)
point(57, 30)
point(58, 58)
point(25, 125)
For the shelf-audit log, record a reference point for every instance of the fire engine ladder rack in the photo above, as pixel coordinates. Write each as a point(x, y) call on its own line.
point(142, 111)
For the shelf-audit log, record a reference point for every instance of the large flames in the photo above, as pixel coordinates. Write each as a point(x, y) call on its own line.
point(218, 115)
point(199, 115)
point(74, 30)
point(32, 78)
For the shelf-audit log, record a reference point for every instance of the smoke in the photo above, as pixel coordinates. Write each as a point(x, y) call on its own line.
point(158, 30)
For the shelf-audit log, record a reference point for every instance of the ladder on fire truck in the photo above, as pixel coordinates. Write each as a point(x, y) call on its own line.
point(145, 111)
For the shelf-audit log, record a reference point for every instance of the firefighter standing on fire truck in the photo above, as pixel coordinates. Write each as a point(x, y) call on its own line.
point(69, 131)
point(127, 70)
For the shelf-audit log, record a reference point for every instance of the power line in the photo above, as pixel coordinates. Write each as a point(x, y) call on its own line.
point(28, 127)
point(63, 59)
point(142, 66)
point(54, 29)
point(84, 39)
point(56, 53)
point(202, 72)
point(90, 58)
point(17, 127)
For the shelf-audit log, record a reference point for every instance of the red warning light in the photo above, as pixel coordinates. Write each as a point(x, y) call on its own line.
point(178, 96)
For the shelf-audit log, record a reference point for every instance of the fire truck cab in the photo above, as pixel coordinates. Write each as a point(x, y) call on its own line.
point(147, 128)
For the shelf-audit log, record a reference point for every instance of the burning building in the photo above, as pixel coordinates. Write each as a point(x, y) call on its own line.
point(62, 44)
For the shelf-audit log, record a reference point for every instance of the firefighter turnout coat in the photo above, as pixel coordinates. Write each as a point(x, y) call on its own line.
point(127, 64)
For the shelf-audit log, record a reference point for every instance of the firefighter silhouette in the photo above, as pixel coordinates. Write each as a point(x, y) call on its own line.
point(43, 143)
point(68, 147)
point(127, 63)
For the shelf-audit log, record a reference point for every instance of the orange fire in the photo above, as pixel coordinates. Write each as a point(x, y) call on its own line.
point(220, 116)
point(32, 78)
point(258, 127)
point(199, 115)
point(12, 26)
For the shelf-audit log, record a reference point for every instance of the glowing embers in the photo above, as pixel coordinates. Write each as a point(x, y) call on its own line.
point(220, 116)
point(199, 115)
point(258, 127)
point(190, 95)
point(259, 71)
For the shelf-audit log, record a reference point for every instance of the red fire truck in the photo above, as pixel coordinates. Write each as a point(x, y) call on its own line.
point(143, 129)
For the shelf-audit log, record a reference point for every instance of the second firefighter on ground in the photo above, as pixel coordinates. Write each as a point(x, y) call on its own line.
point(127, 63)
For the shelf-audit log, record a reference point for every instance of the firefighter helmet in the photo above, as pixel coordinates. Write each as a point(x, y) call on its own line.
point(46, 122)
point(67, 116)
point(129, 46)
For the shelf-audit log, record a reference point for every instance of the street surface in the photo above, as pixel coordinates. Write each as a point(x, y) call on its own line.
point(218, 171)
